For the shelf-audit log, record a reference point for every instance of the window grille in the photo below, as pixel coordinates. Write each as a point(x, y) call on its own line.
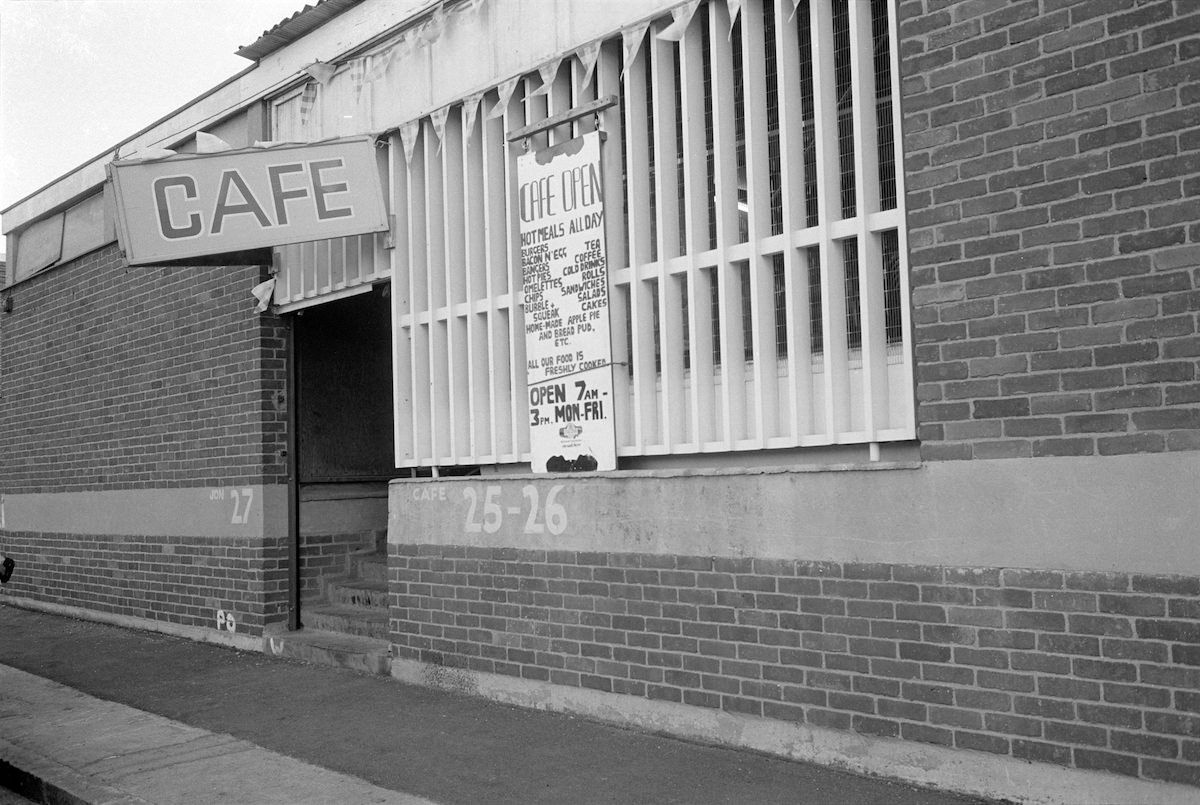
point(883, 106)
point(844, 73)
point(758, 276)
point(317, 271)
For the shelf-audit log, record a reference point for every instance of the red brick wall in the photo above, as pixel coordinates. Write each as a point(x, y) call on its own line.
point(1088, 670)
point(119, 377)
point(182, 580)
point(1052, 150)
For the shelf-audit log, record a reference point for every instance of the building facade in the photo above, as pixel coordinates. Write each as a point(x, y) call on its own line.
point(903, 300)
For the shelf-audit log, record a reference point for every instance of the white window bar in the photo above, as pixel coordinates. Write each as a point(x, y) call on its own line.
point(756, 246)
point(315, 272)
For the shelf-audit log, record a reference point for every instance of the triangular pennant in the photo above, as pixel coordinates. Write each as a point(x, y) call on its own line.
point(358, 73)
point(380, 63)
point(505, 91)
point(588, 55)
point(210, 143)
point(439, 124)
point(734, 7)
point(408, 137)
point(308, 99)
point(680, 18)
point(795, 8)
point(470, 111)
point(547, 71)
point(632, 40)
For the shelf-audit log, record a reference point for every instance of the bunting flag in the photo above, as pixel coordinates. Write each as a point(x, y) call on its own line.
point(547, 71)
point(681, 17)
point(505, 91)
point(308, 99)
point(409, 132)
point(439, 124)
point(380, 62)
point(632, 38)
point(734, 7)
point(210, 143)
point(795, 8)
point(358, 72)
point(588, 55)
point(470, 111)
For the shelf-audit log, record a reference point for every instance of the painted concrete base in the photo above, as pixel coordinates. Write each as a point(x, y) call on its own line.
point(197, 633)
point(967, 772)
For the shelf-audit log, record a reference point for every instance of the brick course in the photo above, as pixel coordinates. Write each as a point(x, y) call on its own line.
point(1053, 160)
point(120, 377)
point(182, 580)
point(1082, 669)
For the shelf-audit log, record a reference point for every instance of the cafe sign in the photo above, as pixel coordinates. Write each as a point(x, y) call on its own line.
point(191, 205)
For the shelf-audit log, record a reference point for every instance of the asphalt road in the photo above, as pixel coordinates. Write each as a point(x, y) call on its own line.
point(451, 748)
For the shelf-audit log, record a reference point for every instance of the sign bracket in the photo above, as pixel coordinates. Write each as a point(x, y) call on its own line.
point(562, 118)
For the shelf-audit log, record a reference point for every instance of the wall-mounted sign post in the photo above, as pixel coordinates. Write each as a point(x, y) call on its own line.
point(193, 205)
point(565, 271)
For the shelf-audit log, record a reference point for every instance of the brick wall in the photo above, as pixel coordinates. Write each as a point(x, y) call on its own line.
point(1087, 670)
point(142, 378)
point(1052, 150)
point(182, 580)
point(119, 377)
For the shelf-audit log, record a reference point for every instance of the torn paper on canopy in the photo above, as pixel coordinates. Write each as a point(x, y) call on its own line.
point(151, 154)
point(210, 143)
point(263, 292)
point(431, 30)
point(321, 71)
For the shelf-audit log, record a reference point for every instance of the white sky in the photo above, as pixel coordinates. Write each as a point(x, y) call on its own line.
point(79, 76)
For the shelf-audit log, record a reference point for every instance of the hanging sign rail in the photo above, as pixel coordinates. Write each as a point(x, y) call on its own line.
point(598, 105)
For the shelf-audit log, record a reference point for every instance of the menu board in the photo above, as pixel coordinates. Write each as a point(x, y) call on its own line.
point(565, 271)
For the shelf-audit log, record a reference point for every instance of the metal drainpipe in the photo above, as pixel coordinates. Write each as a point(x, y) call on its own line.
point(293, 469)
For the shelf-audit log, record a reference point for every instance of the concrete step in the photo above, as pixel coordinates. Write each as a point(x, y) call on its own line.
point(371, 566)
point(352, 620)
point(365, 654)
point(357, 593)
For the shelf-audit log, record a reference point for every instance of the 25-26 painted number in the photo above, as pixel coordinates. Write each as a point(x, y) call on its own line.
point(554, 514)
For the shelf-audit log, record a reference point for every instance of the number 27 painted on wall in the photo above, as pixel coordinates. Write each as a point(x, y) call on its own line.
point(490, 517)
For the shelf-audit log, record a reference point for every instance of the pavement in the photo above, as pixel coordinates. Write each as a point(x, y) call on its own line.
point(94, 713)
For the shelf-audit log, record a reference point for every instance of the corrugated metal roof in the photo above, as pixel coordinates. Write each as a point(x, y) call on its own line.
point(289, 30)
